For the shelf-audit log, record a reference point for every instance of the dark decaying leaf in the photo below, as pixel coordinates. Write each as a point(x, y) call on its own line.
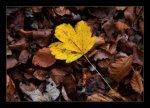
point(43, 58)
point(98, 97)
point(19, 45)
point(129, 14)
point(58, 75)
point(40, 74)
point(120, 68)
point(70, 84)
point(41, 37)
point(137, 82)
point(102, 12)
point(95, 84)
point(86, 76)
point(138, 56)
point(37, 9)
point(11, 62)
point(115, 95)
point(10, 89)
point(24, 56)
point(109, 27)
point(104, 63)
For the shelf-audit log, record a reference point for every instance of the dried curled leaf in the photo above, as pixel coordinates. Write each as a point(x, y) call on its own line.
point(137, 82)
point(74, 42)
point(120, 68)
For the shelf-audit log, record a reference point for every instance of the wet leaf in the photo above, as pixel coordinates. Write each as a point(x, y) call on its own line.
point(109, 27)
point(43, 58)
point(120, 68)
point(137, 82)
point(138, 56)
point(63, 91)
point(104, 63)
point(76, 42)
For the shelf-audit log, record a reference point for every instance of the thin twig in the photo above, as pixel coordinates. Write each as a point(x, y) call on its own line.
point(98, 72)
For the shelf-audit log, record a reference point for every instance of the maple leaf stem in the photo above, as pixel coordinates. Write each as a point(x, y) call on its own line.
point(98, 72)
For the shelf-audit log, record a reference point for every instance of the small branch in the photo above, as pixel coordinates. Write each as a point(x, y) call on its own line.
point(98, 72)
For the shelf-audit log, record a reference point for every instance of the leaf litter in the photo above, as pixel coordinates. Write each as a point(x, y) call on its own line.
point(37, 37)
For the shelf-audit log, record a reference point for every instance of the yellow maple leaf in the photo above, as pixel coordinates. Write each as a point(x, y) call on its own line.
point(75, 42)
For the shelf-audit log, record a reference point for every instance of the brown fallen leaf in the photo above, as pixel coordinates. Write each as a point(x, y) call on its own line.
point(120, 68)
point(58, 75)
point(43, 58)
point(109, 27)
point(10, 88)
point(98, 97)
point(102, 12)
point(11, 62)
point(104, 63)
point(102, 54)
point(70, 84)
point(93, 23)
point(100, 40)
point(95, 84)
point(137, 82)
point(61, 10)
point(138, 56)
point(121, 26)
point(114, 94)
point(40, 74)
point(19, 45)
point(130, 14)
point(86, 76)
point(24, 56)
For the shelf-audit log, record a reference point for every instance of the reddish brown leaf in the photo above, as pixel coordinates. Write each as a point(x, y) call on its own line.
point(58, 75)
point(98, 97)
point(11, 62)
point(115, 94)
point(40, 74)
point(120, 68)
point(104, 63)
point(86, 75)
point(10, 88)
point(120, 26)
point(129, 14)
point(70, 84)
point(24, 56)
point(137, 82)
point(100, 40)
point(43, 58)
